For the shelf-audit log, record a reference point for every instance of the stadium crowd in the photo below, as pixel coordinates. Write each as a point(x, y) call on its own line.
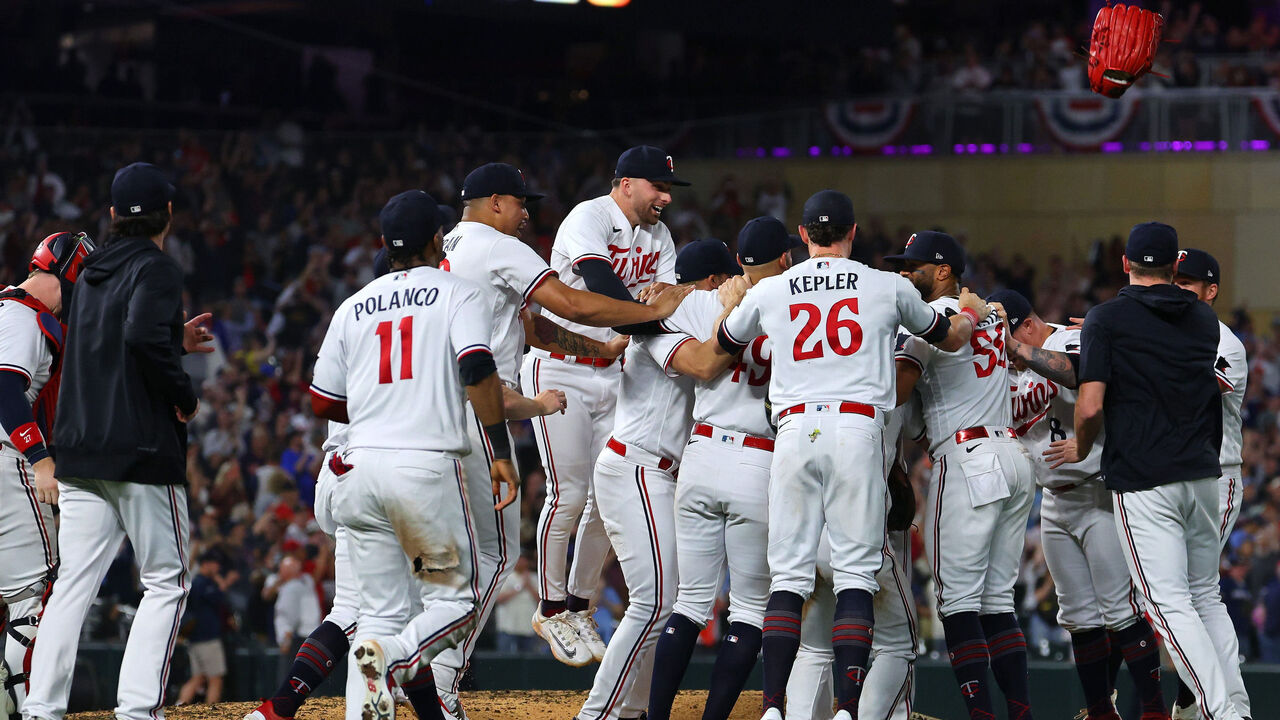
point(273, 232)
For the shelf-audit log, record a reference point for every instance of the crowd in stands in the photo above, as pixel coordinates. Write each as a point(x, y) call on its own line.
point(273, 231)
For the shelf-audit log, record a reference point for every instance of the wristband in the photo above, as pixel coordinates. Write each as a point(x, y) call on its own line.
point(972, 315)
point(499, 442)
point(28, 441)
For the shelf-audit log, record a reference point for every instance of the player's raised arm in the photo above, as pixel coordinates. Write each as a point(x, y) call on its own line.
point(602, 308)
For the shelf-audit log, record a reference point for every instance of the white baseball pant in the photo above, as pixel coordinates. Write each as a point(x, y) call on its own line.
point(828, 469)
point(975, 523)
point(411, 536)
point(1230, 497)
point(1083, 552)
point(346, 600)
point(637, 504)
point(569, 445)
point(1170, 535)
point(498, 540)
point(890, 685)
point(97, 515)
point(28, 556)
point(722, 505)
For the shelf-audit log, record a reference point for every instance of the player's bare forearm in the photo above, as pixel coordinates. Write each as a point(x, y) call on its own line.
point(545, 334)
point(908, 374)
point(486, 400)
point(1052, 364)
point(1088, 417)
point(958, 335)
point(519, 407)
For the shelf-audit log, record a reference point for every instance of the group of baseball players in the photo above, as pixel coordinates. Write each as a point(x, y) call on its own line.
point(695, 413)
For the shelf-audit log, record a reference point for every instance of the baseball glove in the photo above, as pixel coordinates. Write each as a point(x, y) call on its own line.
point(902, 497)
point(1124, 43)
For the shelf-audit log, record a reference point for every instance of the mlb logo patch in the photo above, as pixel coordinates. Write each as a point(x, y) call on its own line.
point(824, 264)
point(824, 407)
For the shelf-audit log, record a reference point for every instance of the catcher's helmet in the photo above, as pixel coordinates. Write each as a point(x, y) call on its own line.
point(62, 254)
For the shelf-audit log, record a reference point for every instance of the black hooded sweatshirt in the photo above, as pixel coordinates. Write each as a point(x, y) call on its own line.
point(1155, 348)
point(122, 374)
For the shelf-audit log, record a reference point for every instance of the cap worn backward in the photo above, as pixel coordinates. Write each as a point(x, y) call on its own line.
point(497, 179)
point(930, 246)
point(409, 221)
point(704, 258)
point(138, 189)
point(828, 207)
point(648, 162)
point(1152, 243)
point(1198, 264)
point(764, 239)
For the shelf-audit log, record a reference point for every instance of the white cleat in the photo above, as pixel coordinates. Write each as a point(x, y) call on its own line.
point(1185, 713)
point(397, 694)
point(775, 714)
point(842, 715)
point(451, 705)
point(561, 635)
point(589, 632)
point(379, 704)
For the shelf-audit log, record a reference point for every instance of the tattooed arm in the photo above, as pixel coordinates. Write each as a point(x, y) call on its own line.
point(1060, 367)
point(542, 333)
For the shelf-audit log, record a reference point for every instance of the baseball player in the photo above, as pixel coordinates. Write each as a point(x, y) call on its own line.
point(890, 683)
point(635, 489)
point(614, 245)
point(1161, 458)
point(422, 334)
point(1097, 602)
point(484, 249)
point(30, 346)
point(832, 322)
point(722, 498)
point(331, 639)
point(1198, 272)
point(982, 486)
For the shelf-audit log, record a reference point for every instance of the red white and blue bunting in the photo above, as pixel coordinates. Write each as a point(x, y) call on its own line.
point(869, 124)
point(1085, 122)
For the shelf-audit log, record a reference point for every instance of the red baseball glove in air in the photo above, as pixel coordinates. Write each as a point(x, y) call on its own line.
point(1124, 42)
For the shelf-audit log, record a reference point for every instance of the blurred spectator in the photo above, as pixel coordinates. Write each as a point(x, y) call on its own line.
point(208, 614)
point(297, 608)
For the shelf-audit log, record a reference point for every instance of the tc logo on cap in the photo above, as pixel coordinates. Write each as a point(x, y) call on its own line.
point(671, 165)
point(1182, 255)
point(911, 239)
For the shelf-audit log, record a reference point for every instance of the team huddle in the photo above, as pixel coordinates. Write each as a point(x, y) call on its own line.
point(700, 413)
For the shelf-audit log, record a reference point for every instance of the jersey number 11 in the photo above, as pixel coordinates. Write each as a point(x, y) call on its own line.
point(406, 350)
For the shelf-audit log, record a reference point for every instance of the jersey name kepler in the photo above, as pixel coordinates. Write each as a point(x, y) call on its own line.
point(404, 297)
point(818, 283)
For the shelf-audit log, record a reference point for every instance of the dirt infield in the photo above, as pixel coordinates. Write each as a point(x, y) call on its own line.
point(525, 704)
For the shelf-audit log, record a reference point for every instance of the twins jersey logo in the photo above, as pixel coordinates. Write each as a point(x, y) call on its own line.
point(632, 265)
point(1034, 400)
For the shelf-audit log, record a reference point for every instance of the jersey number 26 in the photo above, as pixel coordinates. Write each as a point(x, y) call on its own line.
point(837, 329)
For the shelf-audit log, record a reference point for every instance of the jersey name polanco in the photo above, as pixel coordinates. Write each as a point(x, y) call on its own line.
point(654, 402)
point(1232, 370)
point(598, 230)
point(507, 272)
point(1044, 411)
point(965, 388)
point(23, 350)
point(832, 323)
point(734, 399)
point(392, 352)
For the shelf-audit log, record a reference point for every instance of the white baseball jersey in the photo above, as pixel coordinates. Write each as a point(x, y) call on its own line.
point(508, 272)
point(597, 229)
point(965, 388)
point(1044, 411)
point(833, 324)
point(337, 437)
point(654, 402)
point(734, 399)
point(392, 354)
point(1233, 373)
point(24, 349)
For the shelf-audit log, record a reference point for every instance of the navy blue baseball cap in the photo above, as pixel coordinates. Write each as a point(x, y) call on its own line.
point(496, 179)
point(828, 207)
point(409, 222)
point(930, 246)
point(764, 239)
point(648, 162)
point(1152, 243)
point(1016, 307)
point(1198, 264)
point(138, 189)
point(704, 258)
